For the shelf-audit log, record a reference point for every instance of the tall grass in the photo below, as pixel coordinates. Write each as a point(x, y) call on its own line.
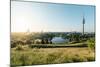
point(50, 56)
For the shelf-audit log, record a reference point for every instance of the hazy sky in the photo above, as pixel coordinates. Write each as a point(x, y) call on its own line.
point(51, 17)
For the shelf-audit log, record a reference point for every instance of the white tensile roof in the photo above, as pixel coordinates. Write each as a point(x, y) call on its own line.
point(59, 40)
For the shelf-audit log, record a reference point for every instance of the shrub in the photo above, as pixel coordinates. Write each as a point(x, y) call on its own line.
point(19, 47)
point(91, 43)
point(13, 44)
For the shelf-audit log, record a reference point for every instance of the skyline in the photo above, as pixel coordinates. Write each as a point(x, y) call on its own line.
point(50, 17)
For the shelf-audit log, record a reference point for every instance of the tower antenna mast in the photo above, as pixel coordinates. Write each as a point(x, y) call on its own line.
point(83, 22)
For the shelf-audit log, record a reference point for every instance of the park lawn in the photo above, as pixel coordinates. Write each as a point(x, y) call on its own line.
point(37, 56)
point(62, 45)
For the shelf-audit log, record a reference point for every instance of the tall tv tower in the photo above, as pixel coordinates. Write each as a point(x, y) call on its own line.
point(83, 22)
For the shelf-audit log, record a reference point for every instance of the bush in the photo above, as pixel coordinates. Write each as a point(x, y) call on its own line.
point(13, 44)
point(91, 43)
point(19, 47)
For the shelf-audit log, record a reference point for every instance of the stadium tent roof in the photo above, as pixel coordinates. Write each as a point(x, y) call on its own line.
point(59, 40)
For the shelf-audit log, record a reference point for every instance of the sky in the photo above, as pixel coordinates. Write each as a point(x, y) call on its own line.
point(51, 17)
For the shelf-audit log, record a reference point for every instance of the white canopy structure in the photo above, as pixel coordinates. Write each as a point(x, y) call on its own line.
point(59, 40)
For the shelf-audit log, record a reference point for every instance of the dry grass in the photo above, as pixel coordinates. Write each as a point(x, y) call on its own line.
point(51, 56)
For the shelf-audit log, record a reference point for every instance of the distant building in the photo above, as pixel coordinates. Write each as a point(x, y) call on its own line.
point(59, 40)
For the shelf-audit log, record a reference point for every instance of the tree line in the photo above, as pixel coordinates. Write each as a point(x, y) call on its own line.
point(45, 38)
